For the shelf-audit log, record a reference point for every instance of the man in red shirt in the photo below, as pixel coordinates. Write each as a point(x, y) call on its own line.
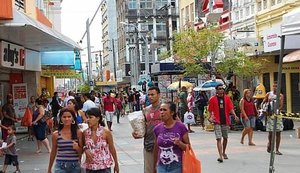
point(109, 106)
point(219, 108)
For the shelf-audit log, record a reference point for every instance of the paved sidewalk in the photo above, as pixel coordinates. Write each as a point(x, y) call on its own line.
point(242, 158)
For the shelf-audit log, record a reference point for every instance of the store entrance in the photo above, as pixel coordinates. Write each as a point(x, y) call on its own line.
point(295, 88)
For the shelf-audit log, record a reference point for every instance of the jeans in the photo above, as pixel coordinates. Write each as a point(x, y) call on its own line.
point(107, 170)
point(67, 167)
point(174, 167)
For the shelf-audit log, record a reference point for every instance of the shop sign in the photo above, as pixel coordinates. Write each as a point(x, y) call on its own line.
point(61, 73)
point(12, 56)
point(271, 39)
point(20, 98)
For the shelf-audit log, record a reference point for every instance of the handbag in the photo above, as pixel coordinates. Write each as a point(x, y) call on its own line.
point(27, 118)
point(190, 164)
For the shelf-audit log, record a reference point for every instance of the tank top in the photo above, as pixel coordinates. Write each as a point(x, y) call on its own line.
point(79, 119)
point(65, 151)
point(102, 158)
point(249, 107)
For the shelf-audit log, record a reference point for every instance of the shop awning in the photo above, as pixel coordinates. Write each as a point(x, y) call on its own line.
point(291, 23)
point(31, 34)
point(292, 57)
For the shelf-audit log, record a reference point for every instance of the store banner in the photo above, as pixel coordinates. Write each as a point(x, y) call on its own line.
point(12, 55)
point(61, 73)
point(20, 98)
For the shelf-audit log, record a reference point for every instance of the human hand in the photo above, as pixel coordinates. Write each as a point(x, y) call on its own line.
point(88, 155)
point(237, 118)
point(176, 141)
point(136, 135)
point(116, 168)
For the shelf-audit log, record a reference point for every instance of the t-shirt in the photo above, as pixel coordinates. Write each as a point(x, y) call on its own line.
point(109, 104)
point(168, 151)
point(152, 119)
point(87, 105)
point(222, 110)
point(183, 99)
point(11, 150)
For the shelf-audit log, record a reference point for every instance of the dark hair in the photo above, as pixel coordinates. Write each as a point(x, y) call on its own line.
point(97, 113)
point(88, 95)
point(155, 88)
point(219, 86)
point(74, 126)
point(39, 101)
point(172, 107)
point(75, 103)
point(13, 127)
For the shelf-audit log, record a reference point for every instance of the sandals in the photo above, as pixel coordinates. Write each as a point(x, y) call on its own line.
point(220, 160)
point(278, 153)
point(225, 156)
point(251, 144)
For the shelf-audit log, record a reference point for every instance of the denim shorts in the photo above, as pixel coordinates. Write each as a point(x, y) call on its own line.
point(250, 122)
point(174, 167)
point(67, 167)
point(107, 170)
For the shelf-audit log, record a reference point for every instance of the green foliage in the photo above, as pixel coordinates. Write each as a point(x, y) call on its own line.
point(164, 55)
point(84, 88)
point(191, 47)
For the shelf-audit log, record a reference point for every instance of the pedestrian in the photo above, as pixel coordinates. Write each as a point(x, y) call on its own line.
point(219, 108)
point(11, 156)
point(270, 99)
point(152, 118)
point(55, 107)
point(80, 115)
point(67, 143)
point(248, 116)
point(98, 145)
point(183, 105)
point(9, 116)
point(32, 107)
point(136, 102)
point(109, 104)
point(88, 103)
point(119, 107)
point(200, 103)
point(171, 139)
point(39, 127)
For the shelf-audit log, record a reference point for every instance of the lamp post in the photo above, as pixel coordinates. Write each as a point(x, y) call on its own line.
point(147, 71)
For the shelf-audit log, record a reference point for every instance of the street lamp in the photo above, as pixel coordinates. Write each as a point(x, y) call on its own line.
point(147, 71)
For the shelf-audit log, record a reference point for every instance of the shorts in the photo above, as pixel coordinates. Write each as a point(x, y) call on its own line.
point(11, 159)
point(174, 167)
point(109, 116)
point(67, 167)
point(221, 131)
point(250, 122)
point(270, 125)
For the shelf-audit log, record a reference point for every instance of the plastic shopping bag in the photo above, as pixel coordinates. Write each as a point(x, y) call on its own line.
point(190, 164)
point(189, 118)
point(137, 122)
point(27, 118)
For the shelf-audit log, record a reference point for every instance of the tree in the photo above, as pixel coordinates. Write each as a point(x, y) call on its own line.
point(191, 48)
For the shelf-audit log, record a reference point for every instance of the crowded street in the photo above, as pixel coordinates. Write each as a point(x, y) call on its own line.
point(242, 158)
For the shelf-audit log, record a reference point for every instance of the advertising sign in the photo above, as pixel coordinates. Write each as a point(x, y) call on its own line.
point(20, 98)
point(12, 56)
point(272, 39)
point(61, 73)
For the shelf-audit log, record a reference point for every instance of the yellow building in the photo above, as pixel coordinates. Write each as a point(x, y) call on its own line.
point(187, 13)
point(268, 29)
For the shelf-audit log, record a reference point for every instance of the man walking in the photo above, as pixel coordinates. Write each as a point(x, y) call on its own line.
point(219, 108)
point(109, 107)
point(183, 106)
point(152, 115)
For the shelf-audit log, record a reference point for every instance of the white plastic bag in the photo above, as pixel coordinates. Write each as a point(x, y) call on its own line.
point(137, 122)
point(189, 118)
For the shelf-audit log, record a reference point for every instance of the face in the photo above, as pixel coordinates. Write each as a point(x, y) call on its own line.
point(165, 112)
point(274, 87)
point(10, 131)
point(153, 96)
point(93, 120)
point(248, 93)
point(220, 90)
point(66, 118)
point(71, 105)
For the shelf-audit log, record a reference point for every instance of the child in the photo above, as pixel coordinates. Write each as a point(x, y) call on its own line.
point(11, 156)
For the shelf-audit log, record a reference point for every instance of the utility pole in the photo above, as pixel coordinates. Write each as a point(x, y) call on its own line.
point(138, 57)
point(114, 59)
point(91, 82)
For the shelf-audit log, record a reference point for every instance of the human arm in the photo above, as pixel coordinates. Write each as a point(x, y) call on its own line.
point(53, 151)
point(6, 114)
point(112, 150)
point(78, 146)
point(244, 115)
point(185, 141)
point(281, 102)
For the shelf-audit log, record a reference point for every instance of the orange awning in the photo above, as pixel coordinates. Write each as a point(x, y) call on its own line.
point(292, 57)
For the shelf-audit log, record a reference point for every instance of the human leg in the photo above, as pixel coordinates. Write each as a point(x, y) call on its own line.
point(148, 161)
point(218, 134)
point(118, 112)
point(252, 120)
point(46, 144)
point(269, 142)
point(278, 139)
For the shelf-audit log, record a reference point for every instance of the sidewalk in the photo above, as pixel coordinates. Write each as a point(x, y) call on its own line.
point(242, 158)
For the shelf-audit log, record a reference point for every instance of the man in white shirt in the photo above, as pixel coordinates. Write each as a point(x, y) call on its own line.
point(88, 102)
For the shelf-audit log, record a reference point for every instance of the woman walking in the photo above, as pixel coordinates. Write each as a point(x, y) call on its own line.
point(99, 146)
point(171, 139)
point(248, 116)
point(39, 127)
point(66, 144)
point(80, 116)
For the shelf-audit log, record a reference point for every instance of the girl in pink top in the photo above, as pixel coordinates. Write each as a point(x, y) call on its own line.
point(99, 146)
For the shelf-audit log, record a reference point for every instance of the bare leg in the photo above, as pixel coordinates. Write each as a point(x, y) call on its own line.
point(46, 144)
point(219, 146)
point(4, 168)
point(224, 145)
point(250, 135)
point(269, 142)
point(39, 144)
point(278, 139)
point(244, 132)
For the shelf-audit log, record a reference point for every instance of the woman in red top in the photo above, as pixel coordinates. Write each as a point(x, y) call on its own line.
point(248, 116)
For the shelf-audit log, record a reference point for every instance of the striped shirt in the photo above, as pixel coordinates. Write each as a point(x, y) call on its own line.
point(65, 151)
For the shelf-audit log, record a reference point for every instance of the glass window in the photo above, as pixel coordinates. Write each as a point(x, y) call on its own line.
point(241, 13)
point(131, 4)
point(252, 9)
point(259, 4)
point(272, 2)
point(187, 14)
point(247, 11)
point(192, 12)
point(146, 4)
point(160, 3)
point(237, 17)
point(265, 4)
point(161, 27)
